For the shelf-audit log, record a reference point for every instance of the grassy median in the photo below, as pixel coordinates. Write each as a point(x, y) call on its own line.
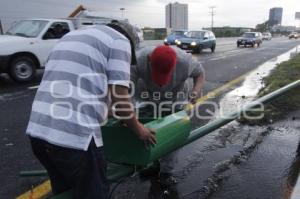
point(285, 73)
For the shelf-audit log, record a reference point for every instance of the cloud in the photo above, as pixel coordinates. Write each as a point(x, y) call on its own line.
point(152, 12)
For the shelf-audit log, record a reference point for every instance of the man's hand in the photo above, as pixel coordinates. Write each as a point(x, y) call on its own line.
point(125, 110)
point(146, 135)
point(198, 85)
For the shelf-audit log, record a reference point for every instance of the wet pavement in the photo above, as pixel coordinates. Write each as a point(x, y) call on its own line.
point(204, 168)
point(237, 161)
point(270, 168)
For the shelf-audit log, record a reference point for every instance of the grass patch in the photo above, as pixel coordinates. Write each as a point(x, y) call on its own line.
point(285, 73)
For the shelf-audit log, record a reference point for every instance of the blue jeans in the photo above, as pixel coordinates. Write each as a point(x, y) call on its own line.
point(82, 172)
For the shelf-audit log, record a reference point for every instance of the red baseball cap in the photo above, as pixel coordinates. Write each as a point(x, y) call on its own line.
point(163, 61)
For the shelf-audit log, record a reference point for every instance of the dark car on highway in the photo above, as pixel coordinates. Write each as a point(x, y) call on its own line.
point(294, 35)
point(174, 36)
point(250, 39)
point(196, 41)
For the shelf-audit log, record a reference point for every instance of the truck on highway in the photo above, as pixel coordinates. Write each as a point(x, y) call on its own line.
point(25, 47)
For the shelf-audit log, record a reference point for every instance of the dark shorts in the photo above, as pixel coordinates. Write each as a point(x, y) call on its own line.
point(83, 172)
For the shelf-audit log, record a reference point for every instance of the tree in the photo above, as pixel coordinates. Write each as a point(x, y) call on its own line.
point(263, 27)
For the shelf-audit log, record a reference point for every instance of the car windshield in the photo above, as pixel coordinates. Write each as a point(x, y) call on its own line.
point(198, 35)
point(27, 28)
point(249, 35)
point(179, 33)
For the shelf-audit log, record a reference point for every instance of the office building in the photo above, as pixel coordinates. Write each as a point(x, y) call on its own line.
point(275, 16)
point(177, 16)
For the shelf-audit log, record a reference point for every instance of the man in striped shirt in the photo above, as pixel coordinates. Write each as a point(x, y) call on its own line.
point(72, 103)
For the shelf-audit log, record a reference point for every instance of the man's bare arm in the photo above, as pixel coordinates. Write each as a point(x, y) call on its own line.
point(125, 110)
point(198, 85)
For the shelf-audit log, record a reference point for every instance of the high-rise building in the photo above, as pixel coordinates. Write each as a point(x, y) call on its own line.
point(275, 16)
point(177, 16)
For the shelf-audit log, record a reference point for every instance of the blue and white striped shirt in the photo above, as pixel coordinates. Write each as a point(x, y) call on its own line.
point(72, 100)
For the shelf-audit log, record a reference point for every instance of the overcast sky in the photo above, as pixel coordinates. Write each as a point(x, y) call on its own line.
point(246, 13)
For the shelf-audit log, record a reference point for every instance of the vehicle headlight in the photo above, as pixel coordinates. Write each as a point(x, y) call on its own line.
point(193, 43)
point(165, 40)
point(177, 42)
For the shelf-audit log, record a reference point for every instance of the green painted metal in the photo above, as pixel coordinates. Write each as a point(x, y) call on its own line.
point(121, 145)
point(33, 173)
point(114, 171)
point(173, 132)
point(211, 126)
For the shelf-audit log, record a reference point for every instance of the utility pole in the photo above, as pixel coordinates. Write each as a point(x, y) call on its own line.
point(122, 11)
point(1, 29)
point(212, 13)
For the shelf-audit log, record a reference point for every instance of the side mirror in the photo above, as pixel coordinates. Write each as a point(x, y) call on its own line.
point(205, 38)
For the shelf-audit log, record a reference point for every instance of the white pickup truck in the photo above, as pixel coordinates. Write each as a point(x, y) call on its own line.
point(26, 46)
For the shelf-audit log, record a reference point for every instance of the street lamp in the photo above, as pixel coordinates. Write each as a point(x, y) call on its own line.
point(122, 11)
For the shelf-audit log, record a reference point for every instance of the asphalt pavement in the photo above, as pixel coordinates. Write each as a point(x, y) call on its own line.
point(226, 64)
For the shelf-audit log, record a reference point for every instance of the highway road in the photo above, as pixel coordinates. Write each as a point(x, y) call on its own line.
point(226, 64)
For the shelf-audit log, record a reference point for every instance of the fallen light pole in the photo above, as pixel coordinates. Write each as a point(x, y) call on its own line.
point(165, 146)
point(211, 126)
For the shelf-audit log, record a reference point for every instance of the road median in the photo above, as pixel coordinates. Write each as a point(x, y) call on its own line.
point(284, 74)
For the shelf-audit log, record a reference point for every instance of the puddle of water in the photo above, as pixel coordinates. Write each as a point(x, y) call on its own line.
point(272, 168)
point(268, 169)
point(252, 84)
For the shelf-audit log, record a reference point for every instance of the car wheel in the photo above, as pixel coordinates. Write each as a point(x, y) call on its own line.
point(252, 45)
point(238, 45)
point(213, 48)
point(245, 45)
point(22, 69)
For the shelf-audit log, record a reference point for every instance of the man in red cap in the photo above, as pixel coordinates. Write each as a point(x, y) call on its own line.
point(163, 75)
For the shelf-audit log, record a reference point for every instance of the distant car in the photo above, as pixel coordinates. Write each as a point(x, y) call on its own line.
point(267, 36)
point(294, 35)
point(174, 36)
point(250, 39)
point(196, 41)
